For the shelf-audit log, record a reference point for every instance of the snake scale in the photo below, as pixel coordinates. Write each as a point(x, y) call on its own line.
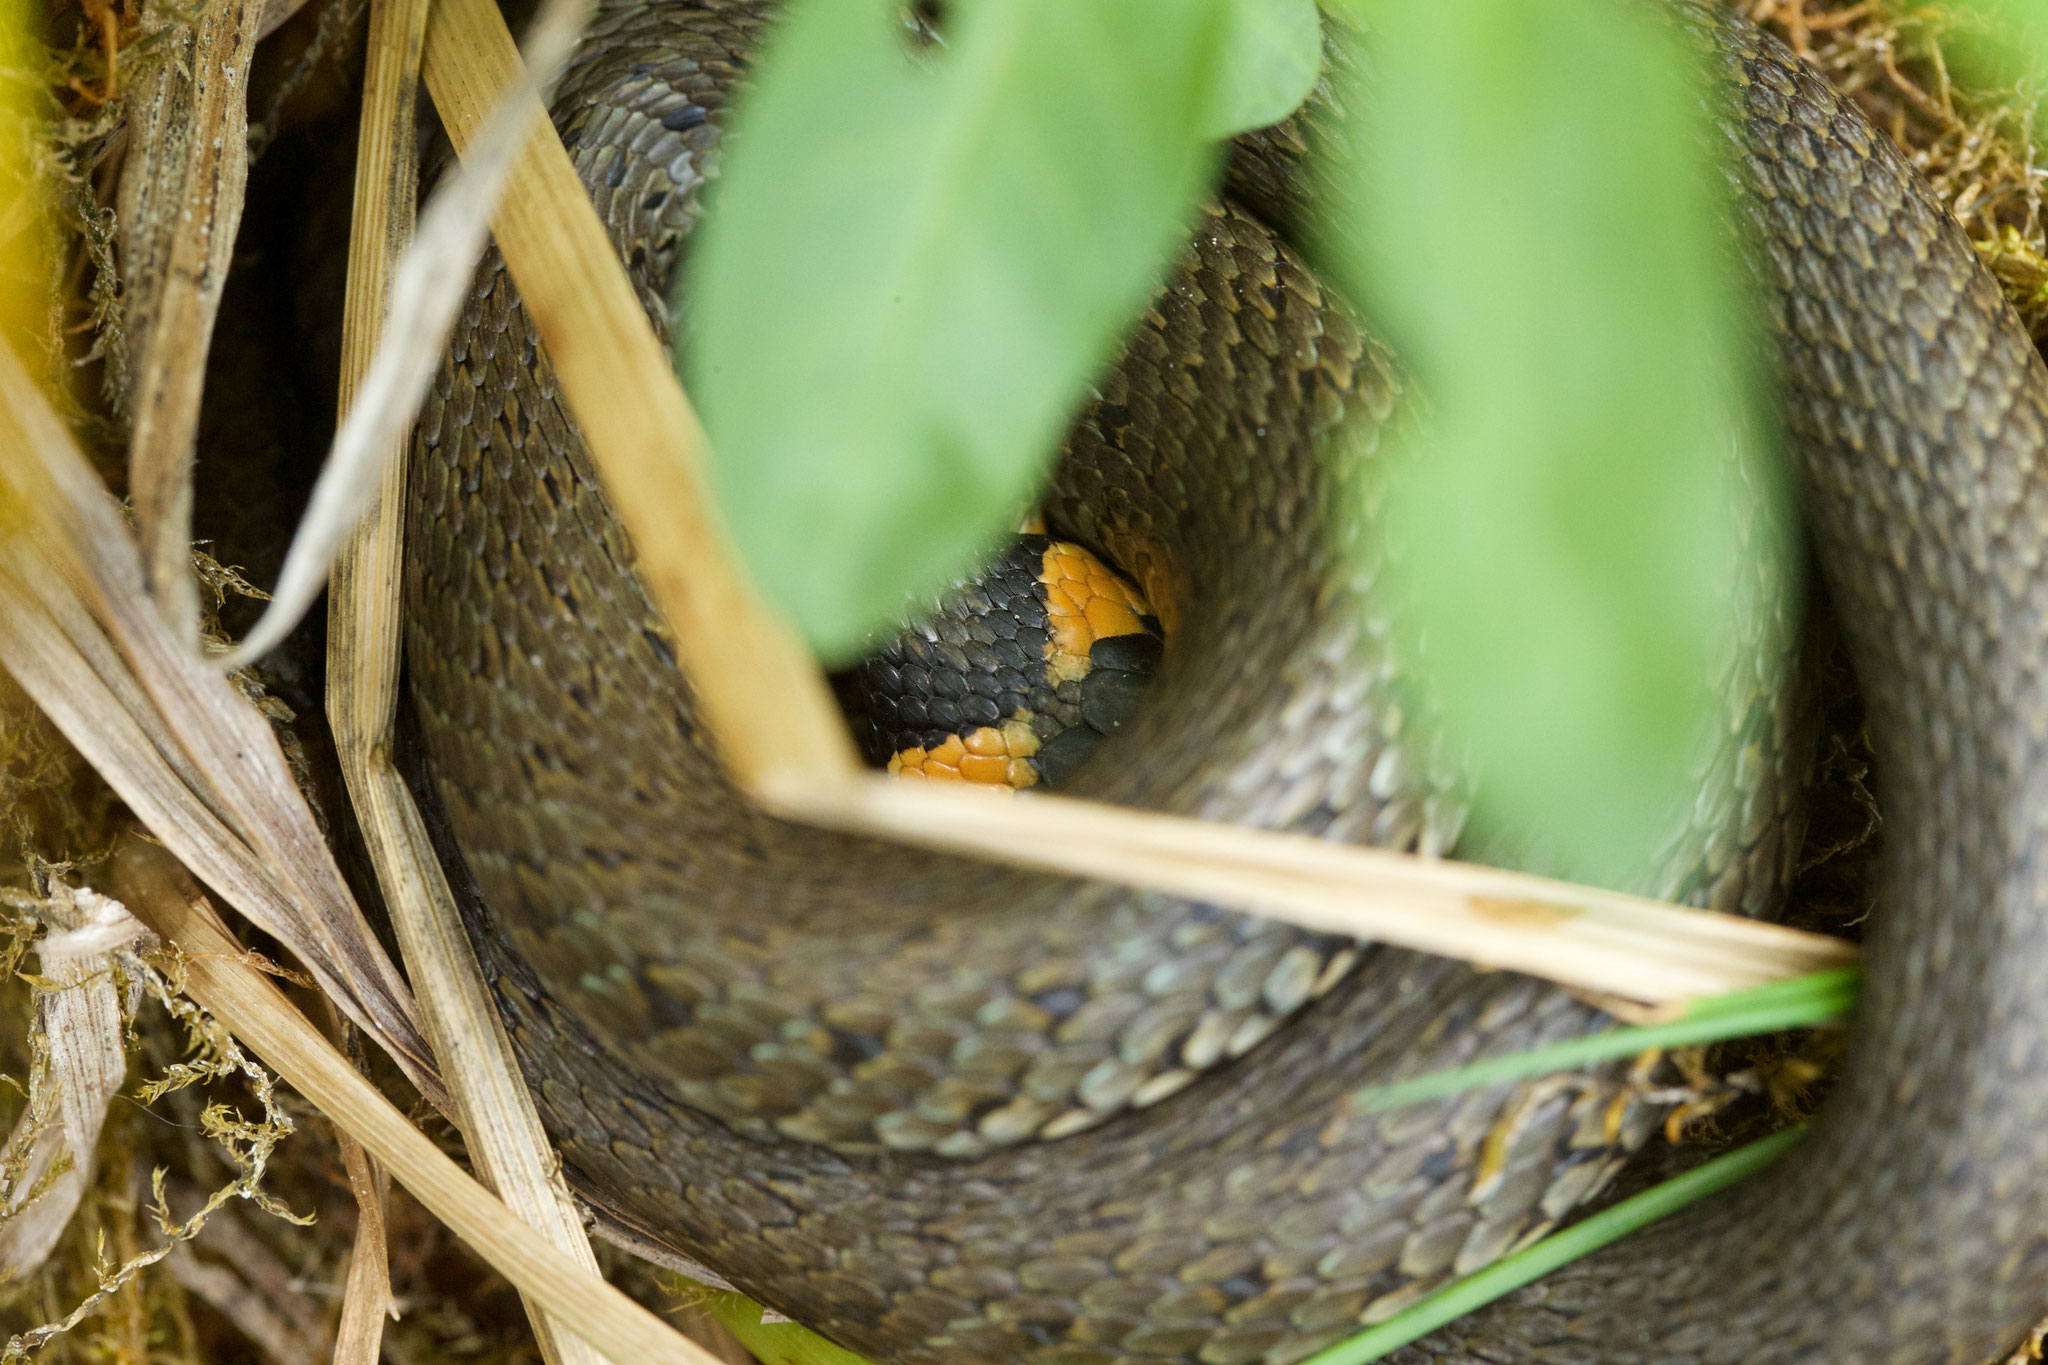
point(946, 1112)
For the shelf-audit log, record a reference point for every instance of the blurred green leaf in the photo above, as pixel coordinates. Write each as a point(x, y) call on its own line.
point(2025, 24)
point(1272, 53)
point(1546, 250)
point(26, 237)
point(915, 265)
point(1999, 43)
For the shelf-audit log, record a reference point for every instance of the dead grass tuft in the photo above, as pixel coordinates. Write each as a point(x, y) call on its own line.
point(1928, 78)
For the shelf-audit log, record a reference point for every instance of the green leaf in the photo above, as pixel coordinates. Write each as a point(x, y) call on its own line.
point(1799, 1003)
point(1510, 1273)
point(2024, 24)
point(915, 265)
point(1272, 54)
point(1546, 249)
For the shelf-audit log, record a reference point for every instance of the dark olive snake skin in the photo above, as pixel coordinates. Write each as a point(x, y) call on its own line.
point(944, 1112)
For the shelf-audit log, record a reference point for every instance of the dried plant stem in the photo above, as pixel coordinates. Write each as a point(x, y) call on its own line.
point(366, 1295)
point(760, 690)
point(81, 1023)
point(181, 202)
point(362, 692)
point(218, 977)
point(500, 1125)
point(168, 734)
point(1596, 940)
point(387, 173)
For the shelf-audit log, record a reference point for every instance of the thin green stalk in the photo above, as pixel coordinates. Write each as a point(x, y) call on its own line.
point(1510, 1273)
point(778, 1343)
point(1799, 1003)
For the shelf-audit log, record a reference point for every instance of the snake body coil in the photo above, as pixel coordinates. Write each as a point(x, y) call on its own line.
point(945, 1112)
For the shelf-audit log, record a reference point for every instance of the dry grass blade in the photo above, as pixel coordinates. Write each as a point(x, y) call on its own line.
point(366, 1294)
point(180, 204)
point(80, 1017)
point(1596, 940)
point(501, 1127)
point(156, 890)
point(171, 736)
point(362, 670)
point(760, 690)
point(387, 176)
point(785, 743)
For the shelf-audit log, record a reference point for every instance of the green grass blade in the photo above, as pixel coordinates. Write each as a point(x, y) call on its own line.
point(1799, 1003)
point(780, 1343)
point(1510, 1273)
point(913, 267)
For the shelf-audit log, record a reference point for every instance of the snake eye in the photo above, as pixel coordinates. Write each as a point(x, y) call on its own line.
point(1014, 677)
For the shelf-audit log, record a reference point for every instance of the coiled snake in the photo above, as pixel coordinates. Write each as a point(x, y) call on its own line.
point(942, 1111)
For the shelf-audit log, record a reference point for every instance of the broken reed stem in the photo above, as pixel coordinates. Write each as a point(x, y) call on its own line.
point(1603, 941)
point(387, 173)
point(180, 204)
point(781, 734)
point(366, 1303)
point(761, 692)
point(500, 1126)
point(219, 978)
point(362, 692)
